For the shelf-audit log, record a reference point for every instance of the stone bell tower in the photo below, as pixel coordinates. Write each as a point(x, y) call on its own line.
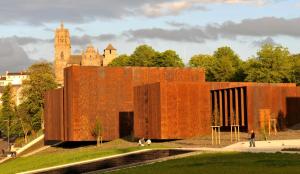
point(62, 47)
point(110, 53)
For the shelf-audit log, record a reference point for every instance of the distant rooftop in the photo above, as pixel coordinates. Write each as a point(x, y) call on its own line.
point(16, 73)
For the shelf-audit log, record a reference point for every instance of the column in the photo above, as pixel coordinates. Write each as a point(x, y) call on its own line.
point(216, 106)
point(221, 107)
point(231, 107)
point(242, 107)
point(226, 107)
point(237, 106)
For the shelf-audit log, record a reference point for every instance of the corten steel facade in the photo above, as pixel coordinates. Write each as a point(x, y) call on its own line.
point(241, 104)
point(104, 93)
point(54, 123)
point(171, 110)
point(159, 103)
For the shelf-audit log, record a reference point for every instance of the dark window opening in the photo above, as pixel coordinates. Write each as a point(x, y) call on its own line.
point(125, 124)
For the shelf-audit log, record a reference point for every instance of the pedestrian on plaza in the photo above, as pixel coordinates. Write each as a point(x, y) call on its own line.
point(252, 139)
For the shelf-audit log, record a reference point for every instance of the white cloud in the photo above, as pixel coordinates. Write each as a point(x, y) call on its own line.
point(261, 27)
point(76, 11)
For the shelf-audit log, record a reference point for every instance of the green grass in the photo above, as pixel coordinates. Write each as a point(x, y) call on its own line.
point(57, 158)
point(224, 163)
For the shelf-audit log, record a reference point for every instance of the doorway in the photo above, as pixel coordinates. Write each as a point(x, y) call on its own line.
point(125, 124)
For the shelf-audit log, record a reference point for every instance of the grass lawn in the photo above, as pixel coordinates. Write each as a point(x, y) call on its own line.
point(224, 163)
point(59, 156)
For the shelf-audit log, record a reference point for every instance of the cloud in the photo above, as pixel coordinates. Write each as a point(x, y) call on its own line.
point(79, 29)
point(267, 40)
point(88, 39)
point(75, 11)
point(267, 26)
point(81, 40)
point(261, 27)
point(28, 40)
point(182, 34)
point(169, 8)
point(106, 37)
point(12, 56)
point(176, 24)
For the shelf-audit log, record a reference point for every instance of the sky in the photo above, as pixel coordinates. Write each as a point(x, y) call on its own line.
point(189, 27)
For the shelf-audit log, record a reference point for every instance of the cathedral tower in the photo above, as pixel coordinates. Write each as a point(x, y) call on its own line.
point(62, 47)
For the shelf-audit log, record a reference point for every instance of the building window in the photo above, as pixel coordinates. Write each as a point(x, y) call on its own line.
point(62, 55)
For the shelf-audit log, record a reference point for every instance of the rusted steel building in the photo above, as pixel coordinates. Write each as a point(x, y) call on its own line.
point(158, 103)
point(106, 94)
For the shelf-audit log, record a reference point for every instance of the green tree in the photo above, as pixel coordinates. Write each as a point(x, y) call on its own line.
point(295, 71)
point(228, 65)
point(7, 111)
point(204, 61)
point(272, 65)
point(143, 56)
point(41, 78)
point(122, 60)
point(24, 119)
point(168, 58)
point(97, 132)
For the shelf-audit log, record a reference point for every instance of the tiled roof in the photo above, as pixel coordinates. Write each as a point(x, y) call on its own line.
point(110, 47)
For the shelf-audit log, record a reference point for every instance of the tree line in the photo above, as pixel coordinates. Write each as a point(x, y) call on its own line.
point(272, 63)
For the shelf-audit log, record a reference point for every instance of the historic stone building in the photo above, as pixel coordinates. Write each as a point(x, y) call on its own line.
point(15, 79)
point(89, 57)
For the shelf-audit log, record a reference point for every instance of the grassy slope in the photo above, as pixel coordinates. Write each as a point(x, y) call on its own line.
point(225, 163)
point(59, 156)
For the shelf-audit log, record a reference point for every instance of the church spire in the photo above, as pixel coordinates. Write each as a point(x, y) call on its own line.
point(61, 24)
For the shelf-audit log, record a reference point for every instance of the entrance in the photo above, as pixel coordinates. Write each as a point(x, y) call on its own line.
point(125, 124)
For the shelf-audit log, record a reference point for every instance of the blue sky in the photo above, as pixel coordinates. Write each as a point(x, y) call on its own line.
point(189, 27)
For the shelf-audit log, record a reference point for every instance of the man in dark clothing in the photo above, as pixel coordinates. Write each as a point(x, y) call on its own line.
point(252, 139)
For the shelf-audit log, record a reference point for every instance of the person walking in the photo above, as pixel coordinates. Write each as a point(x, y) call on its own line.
point(252, 139)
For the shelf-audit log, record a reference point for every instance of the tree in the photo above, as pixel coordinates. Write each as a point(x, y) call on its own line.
point(97, 132)
point(41, 78)
point(122, 60)
point(143, 56)
point(295, 70)
point(7, 110)
point(272, 65)
point(228, 65)
point(204, 61)
point(24, 119)
point(168, 58)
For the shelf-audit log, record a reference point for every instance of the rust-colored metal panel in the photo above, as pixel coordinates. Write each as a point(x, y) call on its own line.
point(53, 115)
point(183, 111)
